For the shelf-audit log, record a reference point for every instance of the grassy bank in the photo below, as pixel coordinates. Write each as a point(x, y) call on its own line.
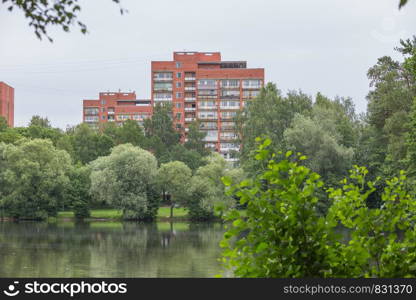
point(114, 214)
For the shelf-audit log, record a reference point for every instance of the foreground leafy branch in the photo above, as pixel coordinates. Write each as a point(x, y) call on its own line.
point(283, 235)
point(44, 13)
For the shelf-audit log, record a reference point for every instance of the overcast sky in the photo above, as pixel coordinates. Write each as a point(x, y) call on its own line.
point(320, 45)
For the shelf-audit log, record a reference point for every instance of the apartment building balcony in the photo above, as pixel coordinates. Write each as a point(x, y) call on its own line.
point(186, 129)
point(207, 97)
point(227, 128)
point(251, 87)
point(188, 120)
point(190, 88)
point(207, 87)
point(163, 79)
point(190, 109)
point(162, 89)
point(163, 99)
point(190, 78)
point(208, 107)
point(229, 107)
point(110, 112)
point(190, 99)
point(230, 97)
point(230, 87)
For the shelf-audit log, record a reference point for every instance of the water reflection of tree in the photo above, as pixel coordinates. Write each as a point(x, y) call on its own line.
point(108, 249)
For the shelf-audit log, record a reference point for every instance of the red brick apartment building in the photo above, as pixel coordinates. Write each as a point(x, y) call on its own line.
point(200, 86)
point(115, 107)
point(7, 103)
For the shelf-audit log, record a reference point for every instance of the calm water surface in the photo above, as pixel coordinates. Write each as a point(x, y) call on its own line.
point(109, 249)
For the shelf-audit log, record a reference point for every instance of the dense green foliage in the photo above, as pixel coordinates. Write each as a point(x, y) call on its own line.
point(283, 235)
point(126, 179)
point(173, 180)
point(33, 177)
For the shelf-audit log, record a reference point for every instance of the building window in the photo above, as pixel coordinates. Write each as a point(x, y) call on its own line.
point(91, 111)
point(103, 109)
point(178, 95)
point(179, 75)
point(178, 116)
point(162, 96)
point(178, 105)
point(178, 125)
point(162, 76)
point(103, 117)
point(179, 84)
point(103, 102)
point(178, 65)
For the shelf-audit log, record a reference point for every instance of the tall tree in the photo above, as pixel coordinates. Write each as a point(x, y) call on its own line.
point(3, 124)
point(89, 144)
point(40, 121)
point(173, 180)
point(196, 139)
point(34, 175)
point(126, 179)
point(161, 136)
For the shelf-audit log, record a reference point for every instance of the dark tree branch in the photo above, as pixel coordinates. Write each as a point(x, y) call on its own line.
point(45, 13)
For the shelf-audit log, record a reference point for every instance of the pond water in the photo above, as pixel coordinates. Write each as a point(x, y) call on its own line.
point(109, 249)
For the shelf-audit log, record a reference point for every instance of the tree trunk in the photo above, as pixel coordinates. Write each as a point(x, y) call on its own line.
point(171, 210)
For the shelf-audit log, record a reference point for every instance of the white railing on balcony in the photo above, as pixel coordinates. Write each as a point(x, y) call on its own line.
point(190, 108)
point(163, 78)
point(190, 98)
point(186, 129)
point(190, 119)
point(229, 107)
point(110, 112)
point(162, 89)
point(189, 78)
point(163, 99)
point(207, 107)
point(189, 88)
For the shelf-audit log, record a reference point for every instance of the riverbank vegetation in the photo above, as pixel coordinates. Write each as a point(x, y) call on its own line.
point(132, 168)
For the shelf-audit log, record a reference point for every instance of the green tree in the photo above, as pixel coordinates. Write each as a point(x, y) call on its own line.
point(77, 194)
point(129, 133)
point(10, 136)
point(282, 234)
point(126, 179)
point(383, 240)
point(318, 139)
point(161, 136)
point(34, 175)
point(37, 120)
point(206, 189)
point(3, 124)
point(195, 139)
point(89, 144)
point(173, 180)
point(270, 114)
point(389, 104)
